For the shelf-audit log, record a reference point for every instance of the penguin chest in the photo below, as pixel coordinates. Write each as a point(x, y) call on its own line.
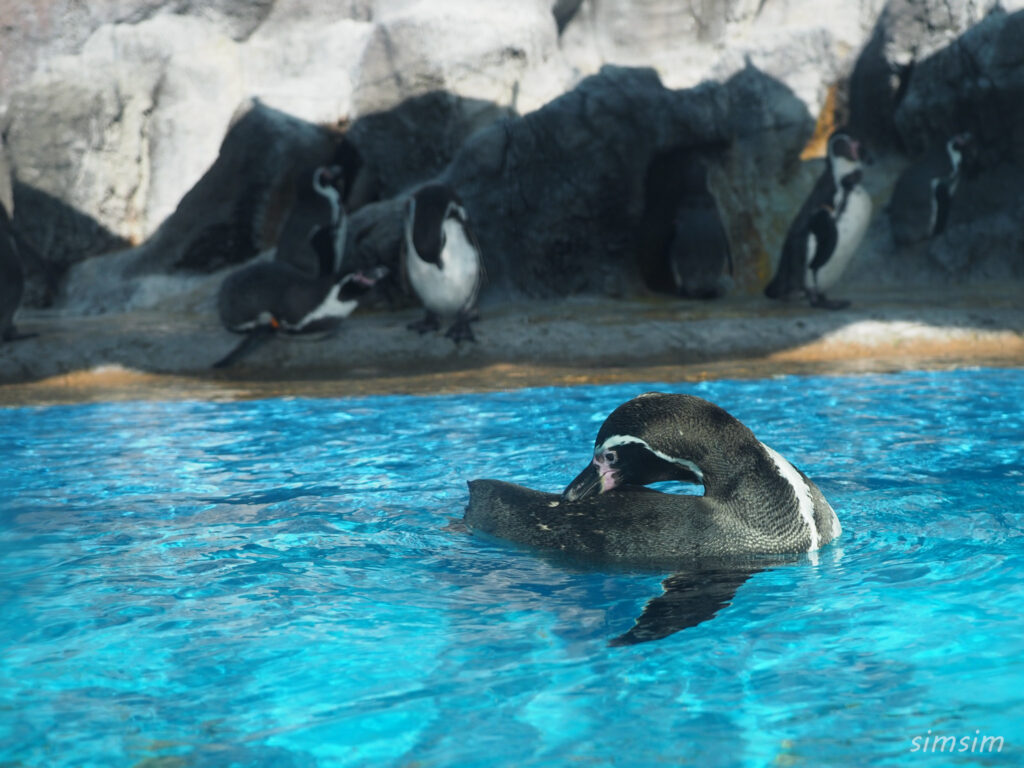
point(851, 224)
point(450, 287)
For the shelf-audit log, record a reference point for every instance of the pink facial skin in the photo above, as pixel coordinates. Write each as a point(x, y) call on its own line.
point(609, 477)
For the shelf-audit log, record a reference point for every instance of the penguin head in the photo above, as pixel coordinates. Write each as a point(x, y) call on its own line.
point(425, 213)
point(358, 283)
point(659, 436)
point(845, 154)
point(327, 179)
point(960, 141)
point(955, 148)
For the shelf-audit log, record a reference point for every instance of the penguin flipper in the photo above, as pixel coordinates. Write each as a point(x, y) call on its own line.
point(823, 226)
point(322, 241)
point(253, 340)
point(690, 598)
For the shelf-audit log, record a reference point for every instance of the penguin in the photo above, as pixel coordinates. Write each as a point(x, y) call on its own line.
point(919, 208)
point(12, 280)
point(264, 298)
point(326, 183)
point(442, 260)
point(318, 202)
point(757, 510)
point(698, 253)
point(825, 234)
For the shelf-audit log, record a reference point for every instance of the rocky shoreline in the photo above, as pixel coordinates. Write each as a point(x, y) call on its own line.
point(151, 355)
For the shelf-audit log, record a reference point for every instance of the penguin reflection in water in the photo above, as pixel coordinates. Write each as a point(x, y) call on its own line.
point(828, 229)
point(757, 510)
point(442, 260)
point(262, 299)
point(921, 199)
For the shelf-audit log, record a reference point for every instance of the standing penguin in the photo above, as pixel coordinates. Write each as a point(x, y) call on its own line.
point(12, 279)
point(442, 260)
point(825, 234)
point(261, 299)
point(699, 250)
point(921, 199)
point(326, 182)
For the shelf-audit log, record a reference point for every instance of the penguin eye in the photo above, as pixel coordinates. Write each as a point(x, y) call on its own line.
point(610, 457)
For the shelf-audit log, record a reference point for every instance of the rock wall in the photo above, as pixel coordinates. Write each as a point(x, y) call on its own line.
point(118, 114)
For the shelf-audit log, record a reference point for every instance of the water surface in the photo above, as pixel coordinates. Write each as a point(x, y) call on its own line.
point(273, 583)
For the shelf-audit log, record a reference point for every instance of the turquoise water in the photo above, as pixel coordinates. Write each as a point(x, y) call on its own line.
point(274, 583)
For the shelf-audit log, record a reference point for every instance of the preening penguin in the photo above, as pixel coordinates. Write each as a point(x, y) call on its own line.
point(921, 199)
point(756, 505)
point(825, 234)
point(264, 298)
point(442, 260)
point(698, 253)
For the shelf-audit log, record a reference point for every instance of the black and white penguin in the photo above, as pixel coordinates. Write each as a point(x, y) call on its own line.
point(755, 504)
point(921, 199)
point(698, 253)
point(328, 182)
point(269, 297)
point(12, 279)
point(442, 260)
point(825, 234)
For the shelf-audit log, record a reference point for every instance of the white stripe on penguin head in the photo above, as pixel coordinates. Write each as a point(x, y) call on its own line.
point(616, 440)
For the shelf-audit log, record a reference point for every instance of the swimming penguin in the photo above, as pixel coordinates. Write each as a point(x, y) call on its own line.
point(699, 251)
point(262, 299)
point(442, 260)
point(921, 199)
point(12, 280)
point(755, 504)
point(826, 232)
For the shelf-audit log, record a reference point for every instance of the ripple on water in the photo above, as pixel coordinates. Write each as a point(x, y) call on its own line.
point(274, 583)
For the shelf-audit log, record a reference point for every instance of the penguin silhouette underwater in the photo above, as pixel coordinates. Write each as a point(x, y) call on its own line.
point(830, 225)
point(263, 299)
point(442, 261)
point(758, 510)
point(921, 200)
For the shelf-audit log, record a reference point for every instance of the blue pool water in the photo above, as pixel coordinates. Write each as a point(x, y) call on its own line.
point(273, 583)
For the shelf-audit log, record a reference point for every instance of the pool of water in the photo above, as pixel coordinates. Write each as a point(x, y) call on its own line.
point(276, 583)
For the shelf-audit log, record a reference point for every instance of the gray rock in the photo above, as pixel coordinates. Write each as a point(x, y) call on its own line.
point(974, 83)
point(118, 112)
point(417, 138)
point(558, 197)
point(238, 209)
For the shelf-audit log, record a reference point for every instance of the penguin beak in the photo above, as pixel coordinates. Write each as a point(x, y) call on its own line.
point(587, 483)
point(597, 478)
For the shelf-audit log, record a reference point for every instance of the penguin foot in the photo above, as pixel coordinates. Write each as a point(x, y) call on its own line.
point(430, 322)
point(461, 330)
point(821, 301)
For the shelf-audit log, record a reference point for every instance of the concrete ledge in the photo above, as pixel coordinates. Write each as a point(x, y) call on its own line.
point(580, 340)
